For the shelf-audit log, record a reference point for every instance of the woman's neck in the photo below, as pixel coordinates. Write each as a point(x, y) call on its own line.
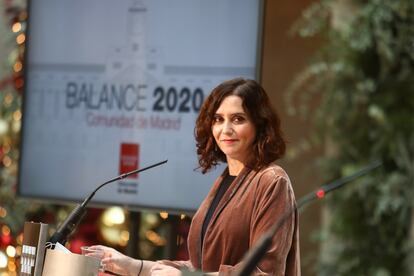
point(235, 166)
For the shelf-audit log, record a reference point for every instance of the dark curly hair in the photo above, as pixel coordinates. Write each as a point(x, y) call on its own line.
point(269, 144)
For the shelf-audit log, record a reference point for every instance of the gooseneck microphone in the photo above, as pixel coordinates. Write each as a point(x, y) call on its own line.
point(69, 225)
point(252, 258)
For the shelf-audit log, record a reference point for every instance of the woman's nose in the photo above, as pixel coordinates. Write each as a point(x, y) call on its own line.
point(227, 128)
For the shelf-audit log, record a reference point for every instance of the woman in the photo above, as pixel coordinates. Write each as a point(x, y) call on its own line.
point(236, 125)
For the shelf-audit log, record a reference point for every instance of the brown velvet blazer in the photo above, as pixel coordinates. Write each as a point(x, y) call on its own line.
point(251, 205)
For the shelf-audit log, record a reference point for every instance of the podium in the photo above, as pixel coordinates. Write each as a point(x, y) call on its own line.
point(33, 248)
point(36, 260)
point(68, 264)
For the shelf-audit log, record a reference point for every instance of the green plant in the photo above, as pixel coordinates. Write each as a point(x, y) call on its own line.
point(363, 77)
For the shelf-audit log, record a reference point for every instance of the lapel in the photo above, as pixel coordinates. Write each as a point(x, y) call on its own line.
point(228, 195)
point(201, 215)
point(245, 176)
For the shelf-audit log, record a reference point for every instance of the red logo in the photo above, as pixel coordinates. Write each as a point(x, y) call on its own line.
point(129, 159)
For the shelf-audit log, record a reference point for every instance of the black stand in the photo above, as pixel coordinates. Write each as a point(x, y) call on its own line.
point(133, 243)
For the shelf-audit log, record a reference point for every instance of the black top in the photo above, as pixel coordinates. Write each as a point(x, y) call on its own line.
point(221, 191)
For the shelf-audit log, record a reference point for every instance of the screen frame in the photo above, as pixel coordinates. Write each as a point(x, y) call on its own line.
point(136, 207)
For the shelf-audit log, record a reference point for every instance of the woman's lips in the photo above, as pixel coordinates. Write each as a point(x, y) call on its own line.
point(228, 141)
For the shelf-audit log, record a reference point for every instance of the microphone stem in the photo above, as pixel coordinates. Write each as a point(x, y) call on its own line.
point(252, 258)
point(119, 177)
point(70, 223)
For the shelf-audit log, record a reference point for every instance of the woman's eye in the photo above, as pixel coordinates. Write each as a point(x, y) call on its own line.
point(217, 119)
point(238, 119)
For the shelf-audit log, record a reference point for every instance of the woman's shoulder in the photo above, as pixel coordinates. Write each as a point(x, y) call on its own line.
point(273, 172)
point(272, 181)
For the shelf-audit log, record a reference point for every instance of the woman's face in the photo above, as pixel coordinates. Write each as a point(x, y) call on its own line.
point(233, 130)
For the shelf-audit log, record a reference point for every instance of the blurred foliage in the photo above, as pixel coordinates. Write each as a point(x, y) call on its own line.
point(363, 80)
point(10, 119)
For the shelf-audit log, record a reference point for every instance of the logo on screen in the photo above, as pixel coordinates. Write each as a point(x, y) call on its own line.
point(129, 159)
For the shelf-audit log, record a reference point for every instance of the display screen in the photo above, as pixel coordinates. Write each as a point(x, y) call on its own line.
point(116, 85)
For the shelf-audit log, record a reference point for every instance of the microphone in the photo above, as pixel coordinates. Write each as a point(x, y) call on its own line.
point(69, 225)
point(252, 258)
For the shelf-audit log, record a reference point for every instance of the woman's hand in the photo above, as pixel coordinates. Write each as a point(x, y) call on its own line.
point(160, 269)
point(117, 262)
